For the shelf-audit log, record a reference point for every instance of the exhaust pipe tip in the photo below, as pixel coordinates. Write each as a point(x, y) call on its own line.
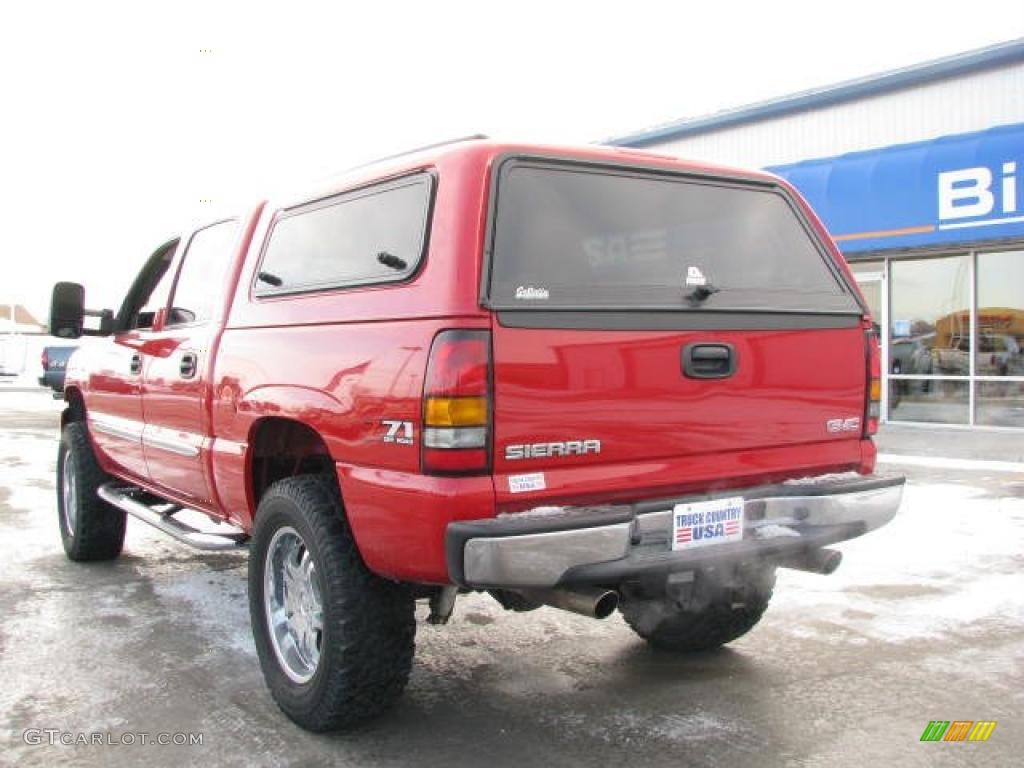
point(830, 560)
point(606, 604)
point(822, 561)
point(594, 602)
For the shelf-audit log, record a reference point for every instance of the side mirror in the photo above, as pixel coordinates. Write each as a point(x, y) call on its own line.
point(68, 313)
point(67, 310)
point(180, 316)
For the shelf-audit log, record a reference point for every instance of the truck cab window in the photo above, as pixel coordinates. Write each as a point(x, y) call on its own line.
point(201, 278)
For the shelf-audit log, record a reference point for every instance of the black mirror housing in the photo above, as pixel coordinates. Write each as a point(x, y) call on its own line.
point(68, 313)
point(67, 310)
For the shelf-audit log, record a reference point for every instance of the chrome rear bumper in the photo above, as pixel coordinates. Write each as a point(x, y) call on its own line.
point(607, 545)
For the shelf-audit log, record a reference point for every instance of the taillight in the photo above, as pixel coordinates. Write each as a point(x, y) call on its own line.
point(457, 404)
point(45, 360)
point(873, 401)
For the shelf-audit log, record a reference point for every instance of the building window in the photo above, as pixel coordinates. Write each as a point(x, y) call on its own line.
point(956, 338)
point(930, 340)
point(870, 279)
point(999, 358)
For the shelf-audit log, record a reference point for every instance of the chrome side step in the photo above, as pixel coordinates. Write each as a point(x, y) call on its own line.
point(125, 497)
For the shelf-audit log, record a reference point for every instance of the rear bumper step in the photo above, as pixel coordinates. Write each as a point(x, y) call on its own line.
point(783, 524)
point(134, 501)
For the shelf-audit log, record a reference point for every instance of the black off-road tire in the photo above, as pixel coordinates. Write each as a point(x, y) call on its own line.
point(90, 528)
point(728, 615)
point(368, 638)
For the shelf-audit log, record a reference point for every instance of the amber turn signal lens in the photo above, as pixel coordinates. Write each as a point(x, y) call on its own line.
point(455, 412)
point(876, 390)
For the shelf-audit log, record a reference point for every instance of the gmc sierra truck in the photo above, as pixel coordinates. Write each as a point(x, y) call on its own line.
point(589, 378)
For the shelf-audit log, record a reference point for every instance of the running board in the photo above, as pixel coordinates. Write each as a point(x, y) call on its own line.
point(122, 497)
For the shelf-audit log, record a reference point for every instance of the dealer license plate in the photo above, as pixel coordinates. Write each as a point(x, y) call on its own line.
point(701, 523)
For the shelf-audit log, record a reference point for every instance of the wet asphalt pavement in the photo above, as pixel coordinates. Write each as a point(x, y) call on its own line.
point(923, 621)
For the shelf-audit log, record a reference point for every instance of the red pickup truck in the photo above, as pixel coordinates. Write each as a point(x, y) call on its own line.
point(590, 378)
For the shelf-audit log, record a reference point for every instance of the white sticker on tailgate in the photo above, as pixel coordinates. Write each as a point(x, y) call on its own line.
point(707, 522)
point(522, 483)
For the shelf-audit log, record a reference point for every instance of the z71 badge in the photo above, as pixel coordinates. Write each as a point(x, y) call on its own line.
point(399, 432)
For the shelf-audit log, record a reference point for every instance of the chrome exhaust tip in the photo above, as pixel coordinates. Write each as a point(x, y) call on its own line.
point(822, 561)
point(595, 602)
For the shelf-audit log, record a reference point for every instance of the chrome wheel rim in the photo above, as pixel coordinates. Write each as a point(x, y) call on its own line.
point(291, 598)
point(69, 491)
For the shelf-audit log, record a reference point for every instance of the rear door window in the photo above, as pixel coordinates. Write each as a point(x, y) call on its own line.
point(372, 235)
point(567, 237)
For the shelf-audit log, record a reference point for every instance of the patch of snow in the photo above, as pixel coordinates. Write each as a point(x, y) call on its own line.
point(628, 725)
point(948, 563)
point(942, 462)
point(40, 401)
point(833, 477)
point(536, 512)
point(773, 531)
point(219, 604)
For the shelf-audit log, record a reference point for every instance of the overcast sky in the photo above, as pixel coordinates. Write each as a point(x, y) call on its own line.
point(116, 122)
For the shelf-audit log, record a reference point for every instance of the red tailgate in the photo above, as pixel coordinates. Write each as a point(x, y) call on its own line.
point(657, 332)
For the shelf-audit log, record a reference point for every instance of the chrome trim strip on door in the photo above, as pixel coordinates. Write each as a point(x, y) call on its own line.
point(172, 442)
point(149, 435)
point(115, 426)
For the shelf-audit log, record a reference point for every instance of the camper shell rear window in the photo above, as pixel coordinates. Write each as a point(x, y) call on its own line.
point(573, 236)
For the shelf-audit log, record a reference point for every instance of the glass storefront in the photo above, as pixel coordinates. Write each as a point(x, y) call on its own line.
point(999, 398)
point(953, 346)
point(1000, 314)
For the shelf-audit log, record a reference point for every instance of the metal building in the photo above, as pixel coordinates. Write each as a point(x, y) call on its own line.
point(919, 175)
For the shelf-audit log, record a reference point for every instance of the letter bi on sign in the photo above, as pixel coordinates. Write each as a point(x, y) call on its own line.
point(968, 192)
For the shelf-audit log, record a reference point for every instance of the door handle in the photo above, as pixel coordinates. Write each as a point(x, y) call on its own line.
point(709, 361)
point(189, 364)
point(135, 366)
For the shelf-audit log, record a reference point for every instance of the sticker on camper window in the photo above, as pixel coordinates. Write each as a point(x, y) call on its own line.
point(532, 293)
point(641, 246)
point(695, 277)
point(523, 483)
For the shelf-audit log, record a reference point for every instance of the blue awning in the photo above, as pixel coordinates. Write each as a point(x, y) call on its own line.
point(956, 189)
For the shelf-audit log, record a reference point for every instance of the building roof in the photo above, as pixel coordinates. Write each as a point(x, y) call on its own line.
point(998, 55)
point(16, 317)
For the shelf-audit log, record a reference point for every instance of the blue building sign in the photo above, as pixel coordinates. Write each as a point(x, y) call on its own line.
point(957, 189)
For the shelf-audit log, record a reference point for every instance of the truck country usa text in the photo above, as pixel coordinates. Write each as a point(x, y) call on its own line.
point(707, 518)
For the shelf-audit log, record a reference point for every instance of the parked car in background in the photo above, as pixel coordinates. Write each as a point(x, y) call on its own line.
point(55, 364)
point(995, 356)
point(910, 356)
point(999, 355)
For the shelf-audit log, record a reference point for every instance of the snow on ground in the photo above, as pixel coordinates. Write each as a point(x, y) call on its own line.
point(28, 401)
point(623, 725)
point(28, 462)
point(218, 602)
point(922, 619)
point(951, 559)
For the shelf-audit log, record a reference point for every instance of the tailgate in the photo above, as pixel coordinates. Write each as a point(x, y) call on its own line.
point(658, 331)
